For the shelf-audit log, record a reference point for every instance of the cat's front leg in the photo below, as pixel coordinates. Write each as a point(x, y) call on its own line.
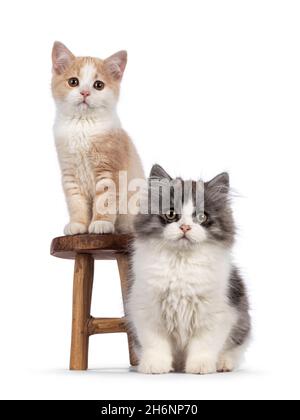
point(80, 213)
point(201, 359)
point(156, 355)
point(104, 207)
point(156, 358)
point(206, 345)
point(102, 224)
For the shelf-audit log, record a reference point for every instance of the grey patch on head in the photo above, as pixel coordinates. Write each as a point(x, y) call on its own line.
point(217, 201)
point(158, 172)
point(221, 181)
point(238, 298)
point(163, 195)
point(173, 193)
point(218, 191)
point(148, 225)
point(212, 197)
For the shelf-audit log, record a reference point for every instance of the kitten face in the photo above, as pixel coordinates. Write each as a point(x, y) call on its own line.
point(197, 212)
point(186, 230)
point(85, 85)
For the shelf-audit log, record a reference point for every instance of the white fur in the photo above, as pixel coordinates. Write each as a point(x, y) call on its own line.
point(230, 359)
point(179, 300)
point(87, 76)
point(76, 132)
point(74, 228)
point(101, 227)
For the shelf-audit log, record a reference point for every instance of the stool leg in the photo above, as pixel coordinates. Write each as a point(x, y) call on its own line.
point(123, 270)
point(82, 297)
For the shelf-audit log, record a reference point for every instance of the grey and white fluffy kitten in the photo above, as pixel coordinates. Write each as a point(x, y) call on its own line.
point(188, 305)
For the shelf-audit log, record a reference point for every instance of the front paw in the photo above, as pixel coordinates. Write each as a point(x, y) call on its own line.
point(75, 228)
point(155, 364)
point(225, 364)
point(201, 366)
point(101, 227)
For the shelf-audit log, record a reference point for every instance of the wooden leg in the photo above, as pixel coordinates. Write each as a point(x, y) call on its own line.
point(82, 296)
point(123, 265)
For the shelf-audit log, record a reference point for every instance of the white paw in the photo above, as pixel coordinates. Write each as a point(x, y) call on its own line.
point(155, 365)
point(75, 228)
point(101, 227)
point(225, 364)
point(201, 366)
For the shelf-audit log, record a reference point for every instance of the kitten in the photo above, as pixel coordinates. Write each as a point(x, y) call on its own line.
point(188, 305)
point(91, 144)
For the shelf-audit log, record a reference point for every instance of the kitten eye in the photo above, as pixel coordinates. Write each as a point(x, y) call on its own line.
point(202, 218)
point(171, 215)
point(73, 82)
point(99, 85)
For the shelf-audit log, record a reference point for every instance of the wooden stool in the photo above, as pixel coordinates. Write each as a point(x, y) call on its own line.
point(85, 249)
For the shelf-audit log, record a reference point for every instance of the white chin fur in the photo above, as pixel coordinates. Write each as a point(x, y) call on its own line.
point(197, 235)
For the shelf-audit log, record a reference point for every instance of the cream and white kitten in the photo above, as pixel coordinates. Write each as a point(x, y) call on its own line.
point(188, 305)
point(91, 144)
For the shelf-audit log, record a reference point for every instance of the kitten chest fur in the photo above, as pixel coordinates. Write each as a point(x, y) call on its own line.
point(182, 290)
point(74, 140)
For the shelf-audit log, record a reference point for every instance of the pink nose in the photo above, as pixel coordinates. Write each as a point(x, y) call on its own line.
point(85, 93)
point(185, 228)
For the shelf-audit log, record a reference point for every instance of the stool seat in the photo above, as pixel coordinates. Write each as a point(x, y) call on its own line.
point(101, 247)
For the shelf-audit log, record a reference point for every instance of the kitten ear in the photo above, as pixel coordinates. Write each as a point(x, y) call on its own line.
point(61, 57)
point(116, 64)
point(220, 182)
point(158, 172)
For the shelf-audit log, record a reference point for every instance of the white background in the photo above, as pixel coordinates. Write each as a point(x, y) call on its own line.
point(210, 86)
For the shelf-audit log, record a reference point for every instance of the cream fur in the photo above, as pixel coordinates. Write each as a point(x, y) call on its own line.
point(90, 141)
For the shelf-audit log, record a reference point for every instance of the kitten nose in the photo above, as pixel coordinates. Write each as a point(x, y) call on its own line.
point(85, 93)
point(185, 228)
